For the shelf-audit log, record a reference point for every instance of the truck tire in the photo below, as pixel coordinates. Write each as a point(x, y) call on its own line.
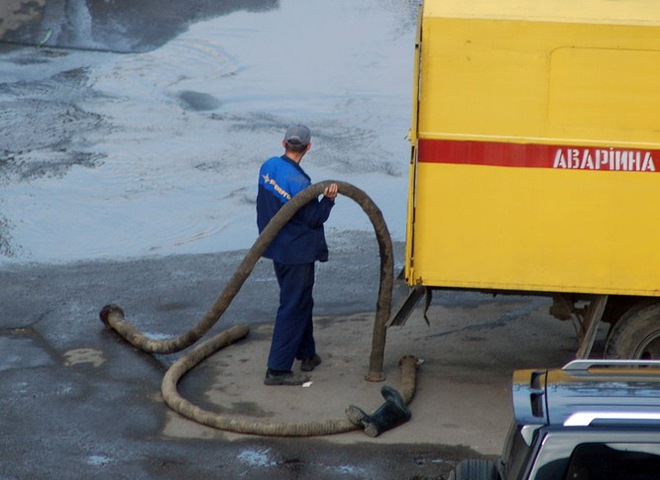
point(636, 335)
point(474, 469)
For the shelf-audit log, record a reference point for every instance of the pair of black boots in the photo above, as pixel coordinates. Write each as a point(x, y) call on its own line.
point(390, 414)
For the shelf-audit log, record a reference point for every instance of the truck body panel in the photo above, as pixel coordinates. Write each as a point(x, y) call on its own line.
point(536, 147)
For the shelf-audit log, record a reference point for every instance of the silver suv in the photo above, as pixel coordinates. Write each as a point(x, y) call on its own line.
point(591, 420)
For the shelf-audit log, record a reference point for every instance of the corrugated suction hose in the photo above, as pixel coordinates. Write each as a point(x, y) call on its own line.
point(113, 317)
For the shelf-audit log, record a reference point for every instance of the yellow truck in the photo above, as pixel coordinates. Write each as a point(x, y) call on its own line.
point(535, 163)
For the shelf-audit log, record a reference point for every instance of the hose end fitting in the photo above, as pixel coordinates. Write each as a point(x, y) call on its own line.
point(411, 360)
point(110, 309)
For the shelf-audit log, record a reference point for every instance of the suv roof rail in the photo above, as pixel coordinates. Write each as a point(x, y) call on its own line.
point(586, 364)
point(584, 419)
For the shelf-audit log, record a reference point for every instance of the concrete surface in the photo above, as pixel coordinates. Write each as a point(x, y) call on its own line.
point(463, 395)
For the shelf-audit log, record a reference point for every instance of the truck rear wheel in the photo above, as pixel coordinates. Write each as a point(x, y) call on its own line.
point(474, 469)
point(636, 335)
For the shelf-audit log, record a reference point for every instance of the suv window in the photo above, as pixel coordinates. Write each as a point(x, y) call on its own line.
point(515, 453)
point(614, 461)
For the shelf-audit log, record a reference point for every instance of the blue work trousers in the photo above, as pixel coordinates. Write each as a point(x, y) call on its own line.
point(293, 335)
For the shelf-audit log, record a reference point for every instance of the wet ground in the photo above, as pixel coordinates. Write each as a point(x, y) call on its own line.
point(119, 26)
point(107, 155)
point(79, 402)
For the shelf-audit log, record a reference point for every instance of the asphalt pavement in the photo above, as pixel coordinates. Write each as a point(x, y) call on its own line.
point(79, 402)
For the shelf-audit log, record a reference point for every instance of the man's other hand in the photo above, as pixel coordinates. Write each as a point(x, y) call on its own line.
point(331, 191)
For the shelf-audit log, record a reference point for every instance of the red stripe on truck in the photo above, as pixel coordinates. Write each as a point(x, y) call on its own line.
point(503, 154)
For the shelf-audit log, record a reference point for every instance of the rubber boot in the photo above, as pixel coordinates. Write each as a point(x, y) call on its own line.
point(390, 414)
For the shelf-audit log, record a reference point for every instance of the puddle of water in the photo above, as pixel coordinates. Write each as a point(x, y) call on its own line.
point(98, 460)
point(22, 352)
point(257, 458)
point(167, 144)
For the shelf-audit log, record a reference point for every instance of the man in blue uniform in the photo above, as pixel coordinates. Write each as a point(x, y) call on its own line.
point(294, 251)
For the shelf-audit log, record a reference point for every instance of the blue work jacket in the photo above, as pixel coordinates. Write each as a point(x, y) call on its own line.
point(302, 240)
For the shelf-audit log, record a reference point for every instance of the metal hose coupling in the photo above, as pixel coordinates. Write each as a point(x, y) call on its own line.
point(394, 411)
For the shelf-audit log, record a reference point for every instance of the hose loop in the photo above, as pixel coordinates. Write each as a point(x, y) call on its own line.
point(113, 317)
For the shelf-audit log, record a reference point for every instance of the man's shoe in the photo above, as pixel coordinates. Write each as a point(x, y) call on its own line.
point(284, 378)
point(310, 364)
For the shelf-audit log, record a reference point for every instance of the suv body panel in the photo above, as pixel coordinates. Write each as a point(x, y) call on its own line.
point(591, 419)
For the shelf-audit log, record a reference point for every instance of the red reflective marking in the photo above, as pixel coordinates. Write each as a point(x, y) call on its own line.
point(502, 154)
